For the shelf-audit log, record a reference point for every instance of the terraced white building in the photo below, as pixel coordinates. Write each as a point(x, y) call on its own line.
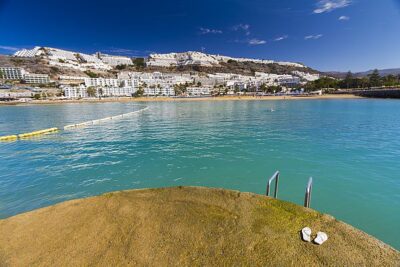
point(12, 73)
point(159, 91)
point(37, 51)
point(72, 92)
point(201, 59)
point(36, 78)
point(114, 60)
point(198, 91)
point(102, 82)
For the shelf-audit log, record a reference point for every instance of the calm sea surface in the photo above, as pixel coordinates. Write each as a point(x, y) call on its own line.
point(350, 147)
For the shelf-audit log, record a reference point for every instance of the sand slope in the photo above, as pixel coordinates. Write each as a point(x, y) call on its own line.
point(187, 226)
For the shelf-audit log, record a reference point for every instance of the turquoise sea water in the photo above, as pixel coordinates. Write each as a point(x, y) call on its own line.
point(350, 147)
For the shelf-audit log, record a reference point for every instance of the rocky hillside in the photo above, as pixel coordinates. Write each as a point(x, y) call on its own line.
point(41, 65)
point(57, 62)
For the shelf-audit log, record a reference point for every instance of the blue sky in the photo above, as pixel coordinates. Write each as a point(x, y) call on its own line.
point(338, 35)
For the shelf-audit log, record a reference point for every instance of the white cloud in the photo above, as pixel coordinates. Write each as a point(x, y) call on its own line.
point(256, 41)
point(209, 31)
point(242, 27)
point(313, 37)
point(344, 18)
point(9, 48)
point(330, 5)
point(281, 38)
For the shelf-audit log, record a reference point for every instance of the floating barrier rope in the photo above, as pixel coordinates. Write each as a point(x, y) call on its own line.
point(8, 138)
point(11, 138)
point(36, 133)
point(87, 123)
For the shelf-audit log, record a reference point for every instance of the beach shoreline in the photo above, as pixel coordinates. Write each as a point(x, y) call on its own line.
point(184, 99)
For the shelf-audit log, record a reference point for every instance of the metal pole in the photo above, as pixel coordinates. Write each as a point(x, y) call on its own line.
point(307, 198)
point(276, 178)
point(276, 186)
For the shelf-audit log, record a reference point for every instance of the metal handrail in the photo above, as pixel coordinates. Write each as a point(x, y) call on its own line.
point(307, 198)
point(276, 178)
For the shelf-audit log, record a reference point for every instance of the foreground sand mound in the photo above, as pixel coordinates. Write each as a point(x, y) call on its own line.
point(183, 226)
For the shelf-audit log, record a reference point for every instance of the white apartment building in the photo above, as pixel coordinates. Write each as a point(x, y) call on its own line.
point(237, 85)
point(288, 80)
point(114, 60)
point(129, 83)
point(58, 54)
point(105, 82)
point(75, 92)
point(275, 79)
point(116, 91)
point(268, 78)
point(181, 59)
point(64, 79)
point(5, 94)
point(36, 78)
point(163, 91)
point(70, 64)
point(104, 87)
point(37, 51)
point(157, 78)
point(198, 58)
point(81, 91)
point(306, 76)
point(292, 64)
point(198, 91)
point(80, 61)
point(12, 73)
point(162, 60)
point(102, 82)
point(72, 78)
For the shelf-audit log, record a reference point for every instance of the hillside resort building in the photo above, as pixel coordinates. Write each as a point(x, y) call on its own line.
point(13, 73)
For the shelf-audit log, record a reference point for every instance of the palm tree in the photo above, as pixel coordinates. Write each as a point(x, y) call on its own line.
point(91, 91)
point(101, 92)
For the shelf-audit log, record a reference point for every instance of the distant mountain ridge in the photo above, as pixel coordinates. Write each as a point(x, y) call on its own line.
point(382, 72)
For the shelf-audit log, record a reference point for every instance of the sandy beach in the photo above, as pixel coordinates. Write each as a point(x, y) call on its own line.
point(171, 99)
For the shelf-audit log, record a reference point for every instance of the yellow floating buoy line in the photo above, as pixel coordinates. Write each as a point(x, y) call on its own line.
point(36, 133)
point(11, 138)
point(8, 138)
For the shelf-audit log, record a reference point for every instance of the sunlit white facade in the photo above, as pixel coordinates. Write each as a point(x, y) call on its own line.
point(163, 91)
point(102, 82)
point(12, 73)
point(36, 78)
point(198, 91)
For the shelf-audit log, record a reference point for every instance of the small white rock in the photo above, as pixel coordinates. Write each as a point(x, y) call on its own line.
point(321, 238)
point(306, 234)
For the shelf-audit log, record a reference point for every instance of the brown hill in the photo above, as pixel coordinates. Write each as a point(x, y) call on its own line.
point(40, 65)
